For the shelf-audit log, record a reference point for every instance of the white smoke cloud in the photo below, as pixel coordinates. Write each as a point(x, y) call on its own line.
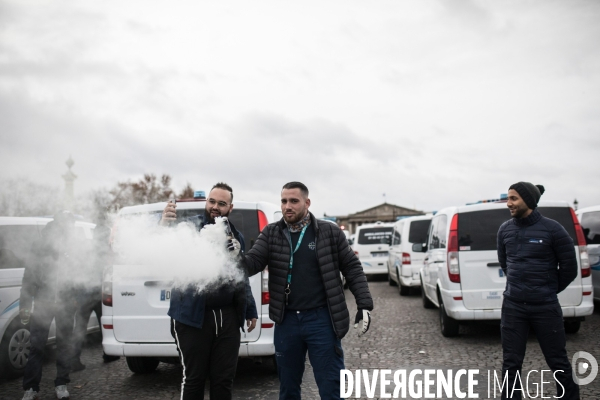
point(180, 253)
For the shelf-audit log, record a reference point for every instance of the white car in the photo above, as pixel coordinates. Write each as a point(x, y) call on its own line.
point(462, 276)
point(404, 264)
point(17, 235)
point(135, 323)
point(371, 245)
point(589, 218)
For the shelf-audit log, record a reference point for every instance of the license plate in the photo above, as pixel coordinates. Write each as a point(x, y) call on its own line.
point(380, 254)
point(165, 295)
point(495, 295)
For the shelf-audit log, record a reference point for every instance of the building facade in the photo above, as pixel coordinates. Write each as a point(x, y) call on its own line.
point(384, 212)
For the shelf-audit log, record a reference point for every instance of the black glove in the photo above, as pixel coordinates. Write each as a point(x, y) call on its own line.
point(362, 322)
point(233, 246)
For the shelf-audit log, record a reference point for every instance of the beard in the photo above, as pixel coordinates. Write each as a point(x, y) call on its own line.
point(294, 219)
point(208, 219)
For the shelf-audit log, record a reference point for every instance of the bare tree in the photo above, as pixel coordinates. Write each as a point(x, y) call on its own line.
point(187, 192)
point(146, 190)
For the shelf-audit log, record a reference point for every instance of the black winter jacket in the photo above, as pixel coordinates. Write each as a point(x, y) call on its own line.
point(273, 247)
point(538, 257)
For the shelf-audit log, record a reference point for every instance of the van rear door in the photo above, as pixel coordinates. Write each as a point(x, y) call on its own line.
point(482, 279)
point(141, 299)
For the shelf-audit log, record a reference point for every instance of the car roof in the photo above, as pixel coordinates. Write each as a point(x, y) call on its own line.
point(376, 224)
point(495, 206)
point(413, 218)
point(183, 205)
point(36, 221)
point(588, 209)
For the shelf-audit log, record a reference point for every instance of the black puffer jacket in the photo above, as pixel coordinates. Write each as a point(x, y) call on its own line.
point(530, 250)
point(272, 247)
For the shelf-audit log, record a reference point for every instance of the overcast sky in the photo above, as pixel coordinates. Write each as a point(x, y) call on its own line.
point(434, 103)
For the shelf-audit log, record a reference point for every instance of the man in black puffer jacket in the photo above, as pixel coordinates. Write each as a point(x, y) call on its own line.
point(307, 303)
point(538, 257)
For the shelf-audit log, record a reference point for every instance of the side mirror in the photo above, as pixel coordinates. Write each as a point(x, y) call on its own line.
point(350, 242)
point(419, 247)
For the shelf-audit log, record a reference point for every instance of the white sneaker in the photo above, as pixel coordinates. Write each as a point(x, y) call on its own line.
point(62, 392)
point(30, 395)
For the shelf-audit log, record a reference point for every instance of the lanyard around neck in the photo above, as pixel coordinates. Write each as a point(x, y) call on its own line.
point(289, 278)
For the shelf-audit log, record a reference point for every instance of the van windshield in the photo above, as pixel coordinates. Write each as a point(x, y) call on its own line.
point(478, 230)
point(418, 231)
point(375, 236)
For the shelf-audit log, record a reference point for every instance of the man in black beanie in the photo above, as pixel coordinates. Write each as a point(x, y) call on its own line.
point(530, 250)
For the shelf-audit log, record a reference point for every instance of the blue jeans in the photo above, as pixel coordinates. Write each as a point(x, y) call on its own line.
point(311, 331)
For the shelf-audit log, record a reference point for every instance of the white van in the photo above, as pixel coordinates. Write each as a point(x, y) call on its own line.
point(462, 276)
point(135, 323)
point(17, 235)
point(589, 218)
point(371, 245)
point(404, 264)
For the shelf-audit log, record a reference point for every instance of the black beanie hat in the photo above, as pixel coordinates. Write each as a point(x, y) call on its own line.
point(529, 192)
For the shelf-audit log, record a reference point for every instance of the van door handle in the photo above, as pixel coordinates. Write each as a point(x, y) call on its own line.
point(158, 283)
point(493, 265)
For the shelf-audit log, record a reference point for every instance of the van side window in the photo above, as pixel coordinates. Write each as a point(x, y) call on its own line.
point(590, 222)
point(438, 236)
point(396, 238)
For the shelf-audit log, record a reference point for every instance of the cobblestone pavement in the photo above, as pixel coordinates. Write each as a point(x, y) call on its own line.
point(403, 336)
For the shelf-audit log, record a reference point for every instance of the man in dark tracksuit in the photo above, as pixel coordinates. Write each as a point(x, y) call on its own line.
point(538, 257)
point(206, 326)
point(305, 258)
point(56, 256)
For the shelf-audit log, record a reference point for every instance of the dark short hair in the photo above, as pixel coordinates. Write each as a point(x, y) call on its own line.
point(224, 186)
point(296, 185)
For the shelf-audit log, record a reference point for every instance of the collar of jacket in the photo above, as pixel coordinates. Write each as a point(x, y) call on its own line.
point(313, 222)
point(531, 219)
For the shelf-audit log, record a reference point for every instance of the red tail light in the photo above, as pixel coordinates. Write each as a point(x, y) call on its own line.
point(453, 267)
point(583, 254)
point(262, 220)
point(267, 325)
point(106, 326)
point(578, 230)
point(265, 297)
point(356, 252)
point(107, 299)
point(405, 259)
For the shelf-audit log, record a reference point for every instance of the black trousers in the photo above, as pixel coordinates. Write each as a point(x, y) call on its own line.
point(39, 328)
point(210, 352)
point(82, 318)
point(546, 321)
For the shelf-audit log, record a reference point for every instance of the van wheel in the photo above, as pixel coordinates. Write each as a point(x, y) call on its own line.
point(426, 302)
point(572, 326)
point(391, 282)
point(404, 290)
point(449, 326)
point(14, 349)
point(142, 365)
